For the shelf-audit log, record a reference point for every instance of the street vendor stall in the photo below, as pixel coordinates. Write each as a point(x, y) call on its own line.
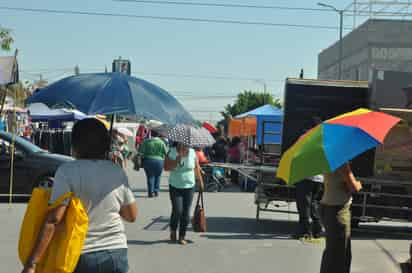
point(51, 127)
point(268, 124)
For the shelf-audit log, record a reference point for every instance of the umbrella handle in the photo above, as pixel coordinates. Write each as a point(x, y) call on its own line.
point(111, 135)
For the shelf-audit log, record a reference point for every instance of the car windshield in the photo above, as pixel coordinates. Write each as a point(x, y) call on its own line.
point(21, 142)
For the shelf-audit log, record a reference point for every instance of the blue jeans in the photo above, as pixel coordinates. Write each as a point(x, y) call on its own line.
point(153, 169)
point(181, 203)
point(104, 261)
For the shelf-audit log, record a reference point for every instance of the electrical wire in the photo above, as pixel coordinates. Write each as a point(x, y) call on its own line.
point(223, 5)
point(34, 71)
point(167, 18)
point(215, 77)
point(270, 7)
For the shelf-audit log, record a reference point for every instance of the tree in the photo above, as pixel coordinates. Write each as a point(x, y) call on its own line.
point(249, 100)
point(18, 93)
point(5, 39)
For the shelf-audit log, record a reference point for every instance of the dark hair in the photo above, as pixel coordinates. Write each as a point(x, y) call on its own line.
point(235, 141)
point(155, 134)
point(90, 139)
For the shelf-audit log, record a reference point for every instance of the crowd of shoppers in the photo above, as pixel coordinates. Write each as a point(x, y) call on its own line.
point(104, 190)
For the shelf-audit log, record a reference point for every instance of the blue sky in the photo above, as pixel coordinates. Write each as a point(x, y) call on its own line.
point(53, 44)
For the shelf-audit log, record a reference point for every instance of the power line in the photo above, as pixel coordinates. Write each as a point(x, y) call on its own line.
point(160, 74)
point(215, 97)
point(270, 7)
point(215, 77)
point(166, 18)
point(223, 5)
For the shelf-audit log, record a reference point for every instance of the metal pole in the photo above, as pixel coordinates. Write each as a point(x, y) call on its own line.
point(264, 93)
point(340, 44)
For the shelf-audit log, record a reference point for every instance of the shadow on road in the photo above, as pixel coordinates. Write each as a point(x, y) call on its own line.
point(248, 228)
point(368, 232)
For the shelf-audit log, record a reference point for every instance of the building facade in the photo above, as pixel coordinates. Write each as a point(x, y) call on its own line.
point(378, 44)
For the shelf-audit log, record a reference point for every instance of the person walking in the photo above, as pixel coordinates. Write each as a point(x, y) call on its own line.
point(336, 217)
point(218, 152)
point(184, 168)
point(104, 190)
point(235, 157)
point(308, 194)
point(153, 151)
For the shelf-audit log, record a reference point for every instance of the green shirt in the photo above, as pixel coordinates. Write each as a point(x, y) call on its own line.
point(183, 176)
point(153, 148)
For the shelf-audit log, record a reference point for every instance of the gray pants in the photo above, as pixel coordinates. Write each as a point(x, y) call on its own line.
point(337, 256)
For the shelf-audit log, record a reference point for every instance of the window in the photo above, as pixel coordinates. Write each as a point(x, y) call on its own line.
point(5, 149)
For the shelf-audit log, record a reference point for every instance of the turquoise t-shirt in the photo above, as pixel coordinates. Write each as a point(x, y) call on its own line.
point(183, 176)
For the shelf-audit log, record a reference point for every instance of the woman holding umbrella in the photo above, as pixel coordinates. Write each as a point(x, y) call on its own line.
point(327, 148)
point(336, 217)
point(184, 168)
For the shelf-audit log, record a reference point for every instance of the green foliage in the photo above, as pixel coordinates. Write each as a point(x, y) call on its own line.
point(16, 91)
point(5, 39)
point(249, 100)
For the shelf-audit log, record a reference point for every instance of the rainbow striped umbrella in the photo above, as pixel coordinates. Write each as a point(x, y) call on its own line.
point(334, 142)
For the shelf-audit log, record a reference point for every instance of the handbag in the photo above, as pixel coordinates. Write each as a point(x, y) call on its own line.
point(199, 218)
point(65, 248)
point(137, 161)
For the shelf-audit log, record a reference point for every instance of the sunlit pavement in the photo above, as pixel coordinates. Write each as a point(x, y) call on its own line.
point(235, 242)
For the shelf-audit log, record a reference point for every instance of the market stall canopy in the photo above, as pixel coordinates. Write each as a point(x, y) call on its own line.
point(40, 112)
point(114, 93)
point(242, 127)
point(269, 121)
point(265, 110)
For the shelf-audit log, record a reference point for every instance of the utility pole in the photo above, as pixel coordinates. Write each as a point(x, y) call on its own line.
point(76, 70)
point(340, 12)
point(264, 89)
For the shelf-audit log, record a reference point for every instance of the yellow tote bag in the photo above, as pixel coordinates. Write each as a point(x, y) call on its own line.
point(65, 248)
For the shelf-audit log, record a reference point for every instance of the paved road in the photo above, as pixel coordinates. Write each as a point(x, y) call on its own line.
point(235, 242)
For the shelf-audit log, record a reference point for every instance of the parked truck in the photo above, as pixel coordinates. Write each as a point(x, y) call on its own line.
point(386, 172)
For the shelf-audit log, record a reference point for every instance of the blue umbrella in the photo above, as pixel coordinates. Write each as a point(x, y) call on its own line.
point(114, 93)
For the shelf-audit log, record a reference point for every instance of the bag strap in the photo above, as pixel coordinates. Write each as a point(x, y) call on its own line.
point(200, 199)
point(61, 199)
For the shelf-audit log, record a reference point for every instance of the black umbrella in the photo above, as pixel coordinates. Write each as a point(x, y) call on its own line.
point(190, 136)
